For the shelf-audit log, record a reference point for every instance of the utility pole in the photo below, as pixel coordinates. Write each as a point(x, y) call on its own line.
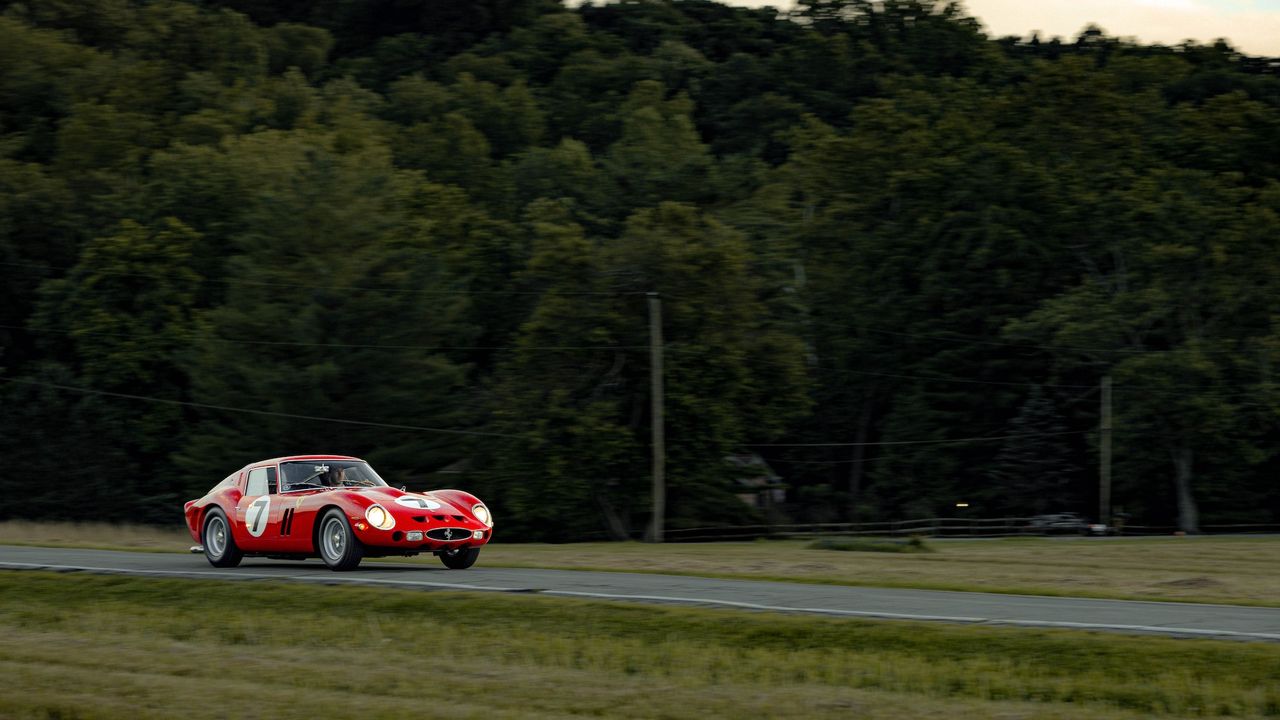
point(658, 427)
point(1104, 450)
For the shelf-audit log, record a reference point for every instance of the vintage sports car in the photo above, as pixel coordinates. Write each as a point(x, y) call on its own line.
point(334, 507)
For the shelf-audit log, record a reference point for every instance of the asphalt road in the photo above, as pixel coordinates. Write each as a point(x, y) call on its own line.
point(1177, 619)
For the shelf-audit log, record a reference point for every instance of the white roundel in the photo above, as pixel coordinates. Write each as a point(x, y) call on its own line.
point(256, 517)
point(417, 502)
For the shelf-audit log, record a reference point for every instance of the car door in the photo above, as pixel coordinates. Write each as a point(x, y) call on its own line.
point(295, 513)
point(290, 514)
point(253, 511)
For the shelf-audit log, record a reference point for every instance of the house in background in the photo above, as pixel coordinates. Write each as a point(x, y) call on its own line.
point(758, 485)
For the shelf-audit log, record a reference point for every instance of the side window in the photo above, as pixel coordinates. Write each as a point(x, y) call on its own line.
point(271, 481)
point(257, 482)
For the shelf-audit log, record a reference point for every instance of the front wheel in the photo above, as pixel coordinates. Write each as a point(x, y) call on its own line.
point(219, 547)
point(336, 542)
point(459, 558)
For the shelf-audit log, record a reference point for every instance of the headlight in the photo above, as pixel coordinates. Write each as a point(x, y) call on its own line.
point(379, 517)
point(482, 514)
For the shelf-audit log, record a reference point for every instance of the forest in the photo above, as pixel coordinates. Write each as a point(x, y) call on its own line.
point(896, 259)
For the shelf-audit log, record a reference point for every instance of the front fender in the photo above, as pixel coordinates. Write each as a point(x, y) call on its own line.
point(457, 498)
point(461, 499)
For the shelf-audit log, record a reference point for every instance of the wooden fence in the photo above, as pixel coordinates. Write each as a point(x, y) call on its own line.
point(935, 528)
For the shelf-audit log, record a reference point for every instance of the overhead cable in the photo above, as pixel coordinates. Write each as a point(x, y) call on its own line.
point(345, 288)
point(252, 411)
point(922, 442)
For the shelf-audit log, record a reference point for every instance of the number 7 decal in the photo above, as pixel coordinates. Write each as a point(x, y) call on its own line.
point(255, 518)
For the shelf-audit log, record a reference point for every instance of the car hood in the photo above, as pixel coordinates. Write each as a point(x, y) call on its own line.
point(410, 503)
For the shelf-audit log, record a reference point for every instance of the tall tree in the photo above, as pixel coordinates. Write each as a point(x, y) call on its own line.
point(120, 318)
point(732, 375)
point(335, 309)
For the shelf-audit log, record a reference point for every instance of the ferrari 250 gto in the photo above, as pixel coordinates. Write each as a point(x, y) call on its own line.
point(334, 507)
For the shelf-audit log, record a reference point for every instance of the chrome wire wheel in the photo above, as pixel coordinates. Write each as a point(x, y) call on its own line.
point(337, 543)
point(216, 536)
point(219, 544)
point(333, 539)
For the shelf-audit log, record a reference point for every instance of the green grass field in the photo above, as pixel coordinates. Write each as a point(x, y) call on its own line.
point(75, 646)
point(1240, 570)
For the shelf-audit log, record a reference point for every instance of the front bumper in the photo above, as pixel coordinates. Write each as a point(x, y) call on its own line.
point(412, 535)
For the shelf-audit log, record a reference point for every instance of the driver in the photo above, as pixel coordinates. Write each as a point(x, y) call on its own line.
point(332, 478)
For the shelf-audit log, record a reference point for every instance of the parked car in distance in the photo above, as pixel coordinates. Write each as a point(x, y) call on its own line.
point(1100, 529)
point(1059, 523)
point(336, 508)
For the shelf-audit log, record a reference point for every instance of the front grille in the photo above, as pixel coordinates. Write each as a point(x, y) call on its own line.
point(449, 534)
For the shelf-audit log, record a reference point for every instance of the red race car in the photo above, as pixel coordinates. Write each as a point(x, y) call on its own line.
point(335, 507)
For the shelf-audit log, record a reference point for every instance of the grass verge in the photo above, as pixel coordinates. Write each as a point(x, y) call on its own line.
point(111, 647)
point(1230, 570)
point(96, 535)
point(914, 545)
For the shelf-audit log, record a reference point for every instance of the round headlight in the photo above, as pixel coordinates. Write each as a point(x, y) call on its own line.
point(379, 517)
point(482, 514)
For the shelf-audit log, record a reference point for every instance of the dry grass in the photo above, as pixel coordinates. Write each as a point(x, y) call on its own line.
point(1207, 569)
point(111, 647)
point(108, 536)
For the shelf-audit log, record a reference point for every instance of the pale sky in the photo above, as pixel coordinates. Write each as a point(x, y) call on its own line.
point(1251, 26)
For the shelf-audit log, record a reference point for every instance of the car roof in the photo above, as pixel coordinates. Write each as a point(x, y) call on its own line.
point(301, 458)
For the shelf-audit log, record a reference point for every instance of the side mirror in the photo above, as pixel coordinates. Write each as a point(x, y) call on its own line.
point(404, 488)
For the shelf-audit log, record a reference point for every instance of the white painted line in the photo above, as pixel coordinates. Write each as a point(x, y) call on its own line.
point(1160, 629)
point(756, 606)
point(129, 571)
point(929, 618)
point(238, 575)
point(416, 583)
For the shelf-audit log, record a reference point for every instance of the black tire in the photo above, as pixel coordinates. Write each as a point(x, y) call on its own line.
point(459, 559)
point(336, 542)
point(219, 546)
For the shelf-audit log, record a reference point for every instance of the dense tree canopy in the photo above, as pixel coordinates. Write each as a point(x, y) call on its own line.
point(896, 257)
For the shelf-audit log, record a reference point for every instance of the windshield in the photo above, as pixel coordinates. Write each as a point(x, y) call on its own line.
point(328, 474)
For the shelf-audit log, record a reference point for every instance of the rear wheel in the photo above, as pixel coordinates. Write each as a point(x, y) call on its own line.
point(337, 543)
point(459, 558)
point(219, 547)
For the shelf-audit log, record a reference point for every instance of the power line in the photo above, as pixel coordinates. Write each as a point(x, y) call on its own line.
point(251, 411)
point(922, 442)
point(1199, 390)
point(902, 376)
point(349, 346)
point(619, 293)
point(312, 286)
point(996, 343)
point(673, 347)
point(963, 380)
point(783, 461)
